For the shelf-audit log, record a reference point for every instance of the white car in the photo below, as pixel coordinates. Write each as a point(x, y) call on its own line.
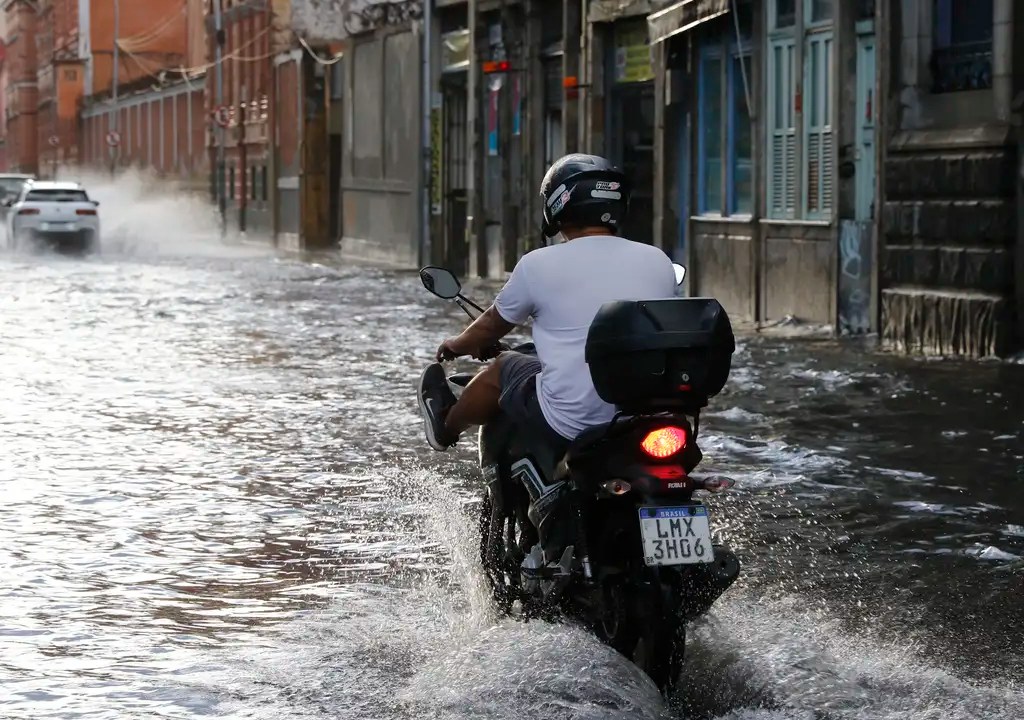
point(57, 215)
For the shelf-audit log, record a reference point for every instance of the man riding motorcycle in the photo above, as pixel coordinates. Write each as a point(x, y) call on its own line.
point(561, 286)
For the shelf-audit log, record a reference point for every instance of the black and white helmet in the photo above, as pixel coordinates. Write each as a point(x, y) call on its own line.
point(584, 191)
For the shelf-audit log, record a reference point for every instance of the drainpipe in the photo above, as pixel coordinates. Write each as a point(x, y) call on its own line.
point(243, 161)
point(219, 76)
point(427, 101)
point(115, 81)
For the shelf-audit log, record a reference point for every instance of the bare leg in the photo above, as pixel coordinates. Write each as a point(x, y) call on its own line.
point(478, 403)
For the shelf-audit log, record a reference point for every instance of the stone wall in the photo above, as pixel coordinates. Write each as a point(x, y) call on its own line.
point(946, 262)
point(949, 223)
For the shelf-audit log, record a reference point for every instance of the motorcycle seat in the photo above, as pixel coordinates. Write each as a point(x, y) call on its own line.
point(587, 439)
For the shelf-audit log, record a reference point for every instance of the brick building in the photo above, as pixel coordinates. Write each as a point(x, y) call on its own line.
point(60, 78)
point(247, 75)
point(20, 90)
point(3, 99)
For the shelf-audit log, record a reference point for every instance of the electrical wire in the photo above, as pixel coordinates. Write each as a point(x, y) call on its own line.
point(743, 63)
point(143, 38)
point(312, 53)
point(231, 55)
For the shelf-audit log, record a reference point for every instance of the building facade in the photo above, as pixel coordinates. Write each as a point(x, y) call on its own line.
point(951, 257)
point(853, 165)
point(21, 95)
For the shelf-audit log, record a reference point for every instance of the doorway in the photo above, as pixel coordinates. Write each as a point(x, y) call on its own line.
point(455, 175)
point(631, 141)
point(856, 237)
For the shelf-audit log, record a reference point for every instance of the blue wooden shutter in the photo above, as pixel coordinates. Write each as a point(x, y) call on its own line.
point(782, 168)
point(818, 151)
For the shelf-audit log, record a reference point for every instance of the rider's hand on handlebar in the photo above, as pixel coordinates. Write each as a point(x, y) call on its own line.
point(449, 350)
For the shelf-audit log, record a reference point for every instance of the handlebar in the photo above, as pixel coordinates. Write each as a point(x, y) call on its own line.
point(485, 354)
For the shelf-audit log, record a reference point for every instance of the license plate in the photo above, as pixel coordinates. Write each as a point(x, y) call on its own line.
point(60, 226)
point(676, 535)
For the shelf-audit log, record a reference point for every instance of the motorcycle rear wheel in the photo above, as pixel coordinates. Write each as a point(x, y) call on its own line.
point(642, 624)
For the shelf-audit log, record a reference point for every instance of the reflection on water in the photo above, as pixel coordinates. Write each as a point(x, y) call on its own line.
point(217, 502)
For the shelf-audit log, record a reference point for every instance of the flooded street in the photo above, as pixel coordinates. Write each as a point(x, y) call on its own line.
point(217, 502)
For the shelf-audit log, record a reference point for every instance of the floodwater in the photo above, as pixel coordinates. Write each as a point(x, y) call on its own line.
point(217, 503)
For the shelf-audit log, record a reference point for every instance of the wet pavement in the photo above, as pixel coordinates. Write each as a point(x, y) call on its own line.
point(217, 503)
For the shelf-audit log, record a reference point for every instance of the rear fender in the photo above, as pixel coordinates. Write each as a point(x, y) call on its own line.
point(637, 479)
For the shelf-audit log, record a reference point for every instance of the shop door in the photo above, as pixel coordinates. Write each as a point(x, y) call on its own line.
point(856, 238)
point(455, 171)
point(631, 141)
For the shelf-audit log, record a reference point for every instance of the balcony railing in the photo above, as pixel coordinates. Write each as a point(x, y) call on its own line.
point(966, 66)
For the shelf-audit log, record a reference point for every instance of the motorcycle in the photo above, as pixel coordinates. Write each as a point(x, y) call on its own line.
point(611, 532)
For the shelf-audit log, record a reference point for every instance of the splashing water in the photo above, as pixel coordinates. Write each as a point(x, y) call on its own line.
point(218, 504)
point(144, 215)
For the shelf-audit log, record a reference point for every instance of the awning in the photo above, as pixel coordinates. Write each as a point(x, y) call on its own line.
point(683, 16)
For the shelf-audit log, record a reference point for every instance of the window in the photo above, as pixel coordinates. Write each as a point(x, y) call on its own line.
point(821, 11)
point(742, 156)
point(263, 183)
point(817, 120)
point(709, 183)
point(785, 14)
point(782, 130)
point(962, 45)
point(801, 174)
point(724, 180)
point(57, 196)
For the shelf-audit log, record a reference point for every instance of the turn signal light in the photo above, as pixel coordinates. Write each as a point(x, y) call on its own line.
point(664, 442)
point(29, 211)
point(85, 211)
point(617, 487)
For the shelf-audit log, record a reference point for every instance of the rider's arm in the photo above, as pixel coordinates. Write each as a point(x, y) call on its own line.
point(483, 333)
point(513, 306)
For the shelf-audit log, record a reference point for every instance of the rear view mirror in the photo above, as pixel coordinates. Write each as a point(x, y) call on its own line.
point(441, 282)
point(680, 273)
point(96, 203)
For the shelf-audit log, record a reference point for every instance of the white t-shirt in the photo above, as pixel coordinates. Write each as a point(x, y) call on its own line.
point(562, 287)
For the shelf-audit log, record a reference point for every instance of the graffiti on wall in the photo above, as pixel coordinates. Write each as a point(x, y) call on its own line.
point(854, 277)
point(332, 20)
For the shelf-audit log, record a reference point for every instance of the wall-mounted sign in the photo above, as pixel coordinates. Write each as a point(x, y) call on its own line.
point(436, 144)
point(455, 51)
point(632, 55)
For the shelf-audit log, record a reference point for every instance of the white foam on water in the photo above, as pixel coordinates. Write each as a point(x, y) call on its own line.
point(436, 650)
point(795, 660)
point(143, 215)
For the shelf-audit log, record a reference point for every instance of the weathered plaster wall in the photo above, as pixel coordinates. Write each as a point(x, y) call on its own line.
point(332, 20)
point(949, 220)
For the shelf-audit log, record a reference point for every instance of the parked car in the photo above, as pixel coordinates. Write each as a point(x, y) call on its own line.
point(10, 187)
point(55, 215)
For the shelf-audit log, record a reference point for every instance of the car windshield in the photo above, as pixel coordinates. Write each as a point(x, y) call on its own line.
point(57, 196)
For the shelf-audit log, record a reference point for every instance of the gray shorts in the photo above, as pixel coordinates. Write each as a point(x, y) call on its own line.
point(519, 399)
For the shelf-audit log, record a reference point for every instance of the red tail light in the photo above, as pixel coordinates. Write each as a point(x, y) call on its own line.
point(85, 212)
point(664, 442)
point(29, 211)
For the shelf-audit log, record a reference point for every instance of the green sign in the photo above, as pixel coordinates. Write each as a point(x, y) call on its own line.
point(633, 55)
